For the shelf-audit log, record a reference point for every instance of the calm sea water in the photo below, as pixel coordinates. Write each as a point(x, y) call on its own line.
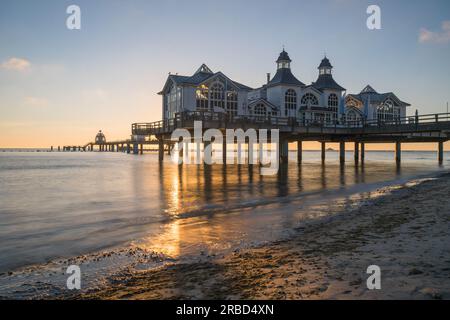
point(60, 205)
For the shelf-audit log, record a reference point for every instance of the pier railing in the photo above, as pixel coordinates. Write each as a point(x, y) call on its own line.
point(223, 120)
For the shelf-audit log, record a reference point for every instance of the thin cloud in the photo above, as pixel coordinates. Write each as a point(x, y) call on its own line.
point(36, 101)
point(443, 36)
point(16, 64)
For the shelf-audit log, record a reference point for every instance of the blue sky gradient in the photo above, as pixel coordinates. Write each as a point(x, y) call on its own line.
point(106, 75)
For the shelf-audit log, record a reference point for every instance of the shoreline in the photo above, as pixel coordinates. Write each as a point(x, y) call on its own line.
point(324, 258)
point(405, 232)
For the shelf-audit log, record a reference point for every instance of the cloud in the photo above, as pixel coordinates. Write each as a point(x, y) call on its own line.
point(97, 94)
point(36, 101)
point(16, 64)
point(443, 36)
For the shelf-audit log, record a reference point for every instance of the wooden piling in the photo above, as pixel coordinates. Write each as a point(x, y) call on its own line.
point(363, 151)
point(356, 152)
point(161, 149)
point(342, 152)
point(224, 151)
point(441, 152)
point(283, 150)
point(299, 151)
point(323, 151)
point(398, 152)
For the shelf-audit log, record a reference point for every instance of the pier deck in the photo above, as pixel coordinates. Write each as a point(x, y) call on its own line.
point(423, 128)
point(430, 128)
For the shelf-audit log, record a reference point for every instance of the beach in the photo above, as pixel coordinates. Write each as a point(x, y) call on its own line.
point(140, 230)
point(404, 231)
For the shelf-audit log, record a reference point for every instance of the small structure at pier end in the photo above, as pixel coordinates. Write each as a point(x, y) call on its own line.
point(100, 138)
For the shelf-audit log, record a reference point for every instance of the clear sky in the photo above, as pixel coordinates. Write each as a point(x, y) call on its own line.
point(60, 86)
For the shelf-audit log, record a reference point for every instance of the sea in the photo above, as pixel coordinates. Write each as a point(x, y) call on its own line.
point(107, 211)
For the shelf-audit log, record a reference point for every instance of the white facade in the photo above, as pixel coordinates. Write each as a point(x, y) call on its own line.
point(283, 96)
point(374, 106)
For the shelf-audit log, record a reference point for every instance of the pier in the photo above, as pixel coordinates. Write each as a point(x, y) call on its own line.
point(430, 128)
point(125, 146)
point(156, 136)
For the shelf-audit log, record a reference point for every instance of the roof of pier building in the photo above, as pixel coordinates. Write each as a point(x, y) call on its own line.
point(284, 74)
point(370, 94)
point(202, 75)
point(325, 79)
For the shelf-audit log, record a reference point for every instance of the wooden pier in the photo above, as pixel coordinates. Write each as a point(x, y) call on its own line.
point(126, 146)
point(433, 128)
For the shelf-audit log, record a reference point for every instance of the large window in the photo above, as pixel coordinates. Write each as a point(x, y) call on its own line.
point(353, 115)
point(217, 96)
point(333, 101)
point(290, 103)
point(202, 98)
point(387, 111)
point(173, 101)
point(232, 103)
point(309, 100)
point(260, 110)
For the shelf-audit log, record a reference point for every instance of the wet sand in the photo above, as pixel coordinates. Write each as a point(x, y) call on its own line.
point(406, 232)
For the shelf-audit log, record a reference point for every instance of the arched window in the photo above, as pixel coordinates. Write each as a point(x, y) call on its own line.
point(290, 102)
point(173, 101)
point(387, 111)
point(309, 100)
point(260, 110)
point(333, 101)
point(202, 98)
point(232, 103)
point(217, 96)
point(353, 115)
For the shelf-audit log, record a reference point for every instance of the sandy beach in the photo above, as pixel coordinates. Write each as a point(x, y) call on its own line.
point(404, 230)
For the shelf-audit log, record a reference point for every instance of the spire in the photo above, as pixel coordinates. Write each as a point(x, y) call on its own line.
point(283, 60)
point(368, 89)
point(325, 80)
point(325, 66)
point(284, 74)
point(204, 69)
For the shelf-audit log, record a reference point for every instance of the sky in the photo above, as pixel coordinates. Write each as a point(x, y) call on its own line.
point(60, 86)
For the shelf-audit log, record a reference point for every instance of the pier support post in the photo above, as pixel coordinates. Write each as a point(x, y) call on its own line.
point(342, 152)
point(323, 147)
point(224, 151)
point(398, 152)
point(260, 151)
point(363, 151)
point(180, 149)
point(250, 152)
point(356, 151)
point(441, 152)
point(141, 148)
point(161, 149)
point(299, 151)
point(283, 150)
point(185, 151)
point(198, 151)
point(205, 145)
